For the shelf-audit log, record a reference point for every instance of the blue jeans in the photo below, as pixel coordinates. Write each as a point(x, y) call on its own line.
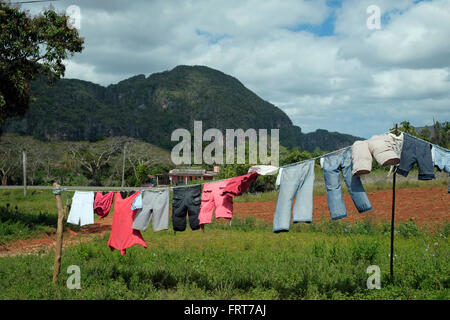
point(442, 161)
point(295, 182)
point(332, 166)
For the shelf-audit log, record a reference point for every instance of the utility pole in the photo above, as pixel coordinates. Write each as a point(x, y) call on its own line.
point(123, 164)
point(24, 173)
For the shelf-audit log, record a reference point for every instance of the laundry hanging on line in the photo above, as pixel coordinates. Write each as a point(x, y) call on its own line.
point(295, 181)
point(122, 234)
point(353, 161)
point(219, 196)
point(82, 209)
point(102, 203)
point(153, 205)
point(385, 148)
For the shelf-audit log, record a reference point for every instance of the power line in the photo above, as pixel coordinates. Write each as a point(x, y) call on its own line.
point(34, 1)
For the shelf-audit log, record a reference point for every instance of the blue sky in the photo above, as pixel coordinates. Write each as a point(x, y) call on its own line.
point(316, 60)
point(323, 28)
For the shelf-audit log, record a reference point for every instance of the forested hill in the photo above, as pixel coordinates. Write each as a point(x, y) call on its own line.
point(151, 108)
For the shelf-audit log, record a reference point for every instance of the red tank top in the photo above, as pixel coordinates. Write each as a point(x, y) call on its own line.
point(122, 234)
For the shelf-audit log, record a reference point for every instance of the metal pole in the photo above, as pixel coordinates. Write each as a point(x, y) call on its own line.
point(392, 227)
point(393, 218)
point(24, 173)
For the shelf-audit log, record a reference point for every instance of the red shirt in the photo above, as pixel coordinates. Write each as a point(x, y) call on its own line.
point(123, 235)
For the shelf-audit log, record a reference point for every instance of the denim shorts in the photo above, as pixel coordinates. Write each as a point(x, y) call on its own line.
point(416, 151)
point(441, 158)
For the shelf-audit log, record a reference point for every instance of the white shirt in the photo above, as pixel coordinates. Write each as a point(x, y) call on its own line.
point(263, 170)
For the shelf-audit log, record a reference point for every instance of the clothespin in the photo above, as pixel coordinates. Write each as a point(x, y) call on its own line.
point(394, 168)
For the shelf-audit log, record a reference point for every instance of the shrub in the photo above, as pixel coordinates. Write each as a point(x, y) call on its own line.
point(365, 250)
point(409, 229)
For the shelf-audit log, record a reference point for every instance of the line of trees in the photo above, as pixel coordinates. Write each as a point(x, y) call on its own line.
point(438, 133)
point(100, 163)
point(80, 163)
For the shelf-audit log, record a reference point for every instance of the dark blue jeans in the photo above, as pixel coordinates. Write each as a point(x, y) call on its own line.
point(333, 165)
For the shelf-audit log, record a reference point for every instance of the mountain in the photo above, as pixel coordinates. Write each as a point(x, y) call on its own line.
point(150, 108)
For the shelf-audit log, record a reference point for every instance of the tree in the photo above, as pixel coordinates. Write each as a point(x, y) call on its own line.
point(10, 157)
point(405, 126)
point(425, 133)
point(31, 46)
point(436, 132)
point(95, 157)
point(445, 135)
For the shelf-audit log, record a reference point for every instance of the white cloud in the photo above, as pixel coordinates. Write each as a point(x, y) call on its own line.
point(358, 81)
point(409, 84)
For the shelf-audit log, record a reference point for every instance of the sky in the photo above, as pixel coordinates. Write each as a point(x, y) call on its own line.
point(319, 61)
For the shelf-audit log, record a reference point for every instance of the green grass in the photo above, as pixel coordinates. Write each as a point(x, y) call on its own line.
point(15, 224)
point(323, 260)
point(23, 217)
point(246, 261)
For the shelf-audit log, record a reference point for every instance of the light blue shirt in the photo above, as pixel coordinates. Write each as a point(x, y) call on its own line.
point(137, 203)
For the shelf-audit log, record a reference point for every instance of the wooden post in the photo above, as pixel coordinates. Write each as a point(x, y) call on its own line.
point(393, 219)
point(24, 173)
point(59, 232)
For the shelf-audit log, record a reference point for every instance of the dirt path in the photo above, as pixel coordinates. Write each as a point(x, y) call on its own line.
point(47, 241)
point(428, 206)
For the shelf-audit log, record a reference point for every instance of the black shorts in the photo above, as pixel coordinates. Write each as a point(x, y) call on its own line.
point(186, 201)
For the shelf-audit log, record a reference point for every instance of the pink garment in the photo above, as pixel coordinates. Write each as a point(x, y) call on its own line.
point(213, 197)
point(102, 203)
point(238, 185)
point(123, 235)
point(219, 195)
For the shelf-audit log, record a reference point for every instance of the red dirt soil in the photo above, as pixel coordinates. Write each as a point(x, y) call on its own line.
point(48, 240)
point(427, 206)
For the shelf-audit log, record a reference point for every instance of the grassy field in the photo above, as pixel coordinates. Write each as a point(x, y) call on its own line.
point(247, 261)
point(324, 260)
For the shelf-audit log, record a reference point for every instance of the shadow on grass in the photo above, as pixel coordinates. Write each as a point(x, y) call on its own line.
point(15, 224)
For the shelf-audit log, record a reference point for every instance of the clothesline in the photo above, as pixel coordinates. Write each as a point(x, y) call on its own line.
point(323, 155)
point(333, 152)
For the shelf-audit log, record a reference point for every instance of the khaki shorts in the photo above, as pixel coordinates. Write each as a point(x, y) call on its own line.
point(385, 148)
